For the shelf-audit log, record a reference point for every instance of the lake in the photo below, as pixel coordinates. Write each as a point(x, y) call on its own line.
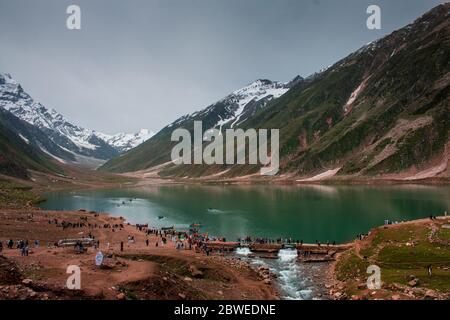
point(308, 213)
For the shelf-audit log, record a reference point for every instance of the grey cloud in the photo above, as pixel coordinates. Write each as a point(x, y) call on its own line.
point(141, 64)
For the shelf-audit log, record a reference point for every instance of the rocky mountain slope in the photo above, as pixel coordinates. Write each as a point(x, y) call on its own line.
point(383, 110)
point(77, 141)
point(229, 112)
point(24, 147)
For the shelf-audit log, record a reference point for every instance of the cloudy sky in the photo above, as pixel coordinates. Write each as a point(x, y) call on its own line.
point(143, 63)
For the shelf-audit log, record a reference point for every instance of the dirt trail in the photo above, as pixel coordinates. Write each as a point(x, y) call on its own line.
point(139, 269)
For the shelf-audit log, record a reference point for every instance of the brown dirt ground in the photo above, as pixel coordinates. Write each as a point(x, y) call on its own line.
point(140, 272)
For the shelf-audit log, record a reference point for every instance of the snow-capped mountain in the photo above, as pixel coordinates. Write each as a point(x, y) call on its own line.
point(126, 141)
point(229, 112)
point(240, 105)
point(245, 102)
point(68, 136)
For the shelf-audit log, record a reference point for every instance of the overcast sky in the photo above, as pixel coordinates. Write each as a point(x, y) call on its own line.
point(143, 63)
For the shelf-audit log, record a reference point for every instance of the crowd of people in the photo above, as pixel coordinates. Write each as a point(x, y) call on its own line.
point(84, 224)
point(181, 240)
point(22, 245)
point(288, 241)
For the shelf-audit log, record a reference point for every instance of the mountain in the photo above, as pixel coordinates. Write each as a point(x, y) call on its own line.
point(228, 112)
point(125, 141)
point(18, 148)
point(78, 141)
point(383, 110)
point(238, 106)
point(34, 137)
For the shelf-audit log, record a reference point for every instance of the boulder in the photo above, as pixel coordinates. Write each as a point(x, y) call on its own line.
point(362, 286)
point(121, 296)
point(337, 295)
point(430, 294)
point(413, 283)
point(195, 272)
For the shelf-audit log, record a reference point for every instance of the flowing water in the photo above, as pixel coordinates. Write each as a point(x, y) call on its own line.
point(308, 213)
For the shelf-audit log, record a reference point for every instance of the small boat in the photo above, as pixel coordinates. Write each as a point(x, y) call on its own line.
point(215, 211)
point(160, 217)
point(195, 225)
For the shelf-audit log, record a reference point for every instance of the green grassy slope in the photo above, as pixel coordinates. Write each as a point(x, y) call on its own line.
point(399, 117)
point(17, 156)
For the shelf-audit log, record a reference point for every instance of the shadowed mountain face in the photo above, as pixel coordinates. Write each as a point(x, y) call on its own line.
point(383, 109)
point(24, 147)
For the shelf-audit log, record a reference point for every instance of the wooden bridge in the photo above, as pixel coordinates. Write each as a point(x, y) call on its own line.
point(306, 252)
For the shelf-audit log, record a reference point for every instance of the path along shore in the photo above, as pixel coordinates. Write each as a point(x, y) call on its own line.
point(140, 271)
point(146, 268)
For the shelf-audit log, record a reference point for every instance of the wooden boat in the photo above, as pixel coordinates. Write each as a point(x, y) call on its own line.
point(195, 225)
point(87, 242)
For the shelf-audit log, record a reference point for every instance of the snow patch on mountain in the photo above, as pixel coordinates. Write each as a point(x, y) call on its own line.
point(239, 105)
point(126, 141)
point(24, 138)
point(256, 91)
